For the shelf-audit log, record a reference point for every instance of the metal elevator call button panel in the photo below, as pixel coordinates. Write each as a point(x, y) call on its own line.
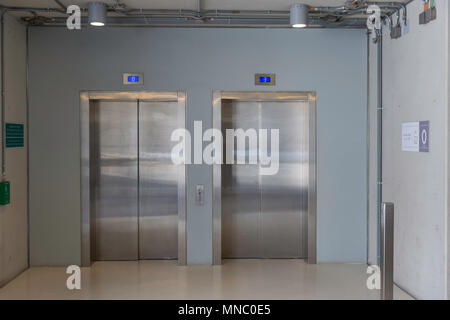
point(200, 194)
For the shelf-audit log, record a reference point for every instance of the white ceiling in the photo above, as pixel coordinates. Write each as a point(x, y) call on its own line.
point(185, 4)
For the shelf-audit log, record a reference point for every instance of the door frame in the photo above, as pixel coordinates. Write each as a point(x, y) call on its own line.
point(264, 96)
point(87, 223)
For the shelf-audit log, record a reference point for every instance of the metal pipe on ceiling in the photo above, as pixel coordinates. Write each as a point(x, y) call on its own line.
point(59, 3)
point(37, 9)
point(229, 22)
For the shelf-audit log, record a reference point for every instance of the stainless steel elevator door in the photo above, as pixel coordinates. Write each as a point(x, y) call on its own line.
point(158, 181)
point(135, 183)
point(284, 196)
point(266, 216)
point(116, 190)
point(241, 194)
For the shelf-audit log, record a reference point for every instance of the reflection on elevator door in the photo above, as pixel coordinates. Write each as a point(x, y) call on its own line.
point(135, 183)
point(266, 216)
point(158, 186)
point(115, 168)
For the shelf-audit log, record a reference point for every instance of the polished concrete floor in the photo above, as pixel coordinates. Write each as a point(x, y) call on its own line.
point(235, 279)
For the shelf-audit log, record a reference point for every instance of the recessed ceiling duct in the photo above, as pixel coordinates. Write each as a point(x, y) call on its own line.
point(299, 15)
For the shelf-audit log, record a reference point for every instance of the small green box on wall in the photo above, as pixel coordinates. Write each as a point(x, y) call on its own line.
point(4, 193)
point(14, 135)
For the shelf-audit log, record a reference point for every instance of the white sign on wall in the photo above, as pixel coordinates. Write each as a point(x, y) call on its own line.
point(416, 136)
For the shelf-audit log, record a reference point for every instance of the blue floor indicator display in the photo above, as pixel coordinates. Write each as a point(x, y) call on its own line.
point(265, 79)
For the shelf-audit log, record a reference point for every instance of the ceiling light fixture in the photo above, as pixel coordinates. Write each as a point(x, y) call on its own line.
point(97, 13)
point(299, 15)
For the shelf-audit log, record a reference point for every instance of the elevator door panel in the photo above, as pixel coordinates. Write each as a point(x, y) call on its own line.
point(158, 181)
point(116, 193)
point(240, 192)
point(265, 216)
point(284, 196)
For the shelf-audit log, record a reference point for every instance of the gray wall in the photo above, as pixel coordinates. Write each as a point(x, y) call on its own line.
point(63, 63)
point(415, 85)
point(13, 217)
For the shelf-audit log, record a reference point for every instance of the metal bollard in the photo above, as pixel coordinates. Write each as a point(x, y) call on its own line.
point(387, 251)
